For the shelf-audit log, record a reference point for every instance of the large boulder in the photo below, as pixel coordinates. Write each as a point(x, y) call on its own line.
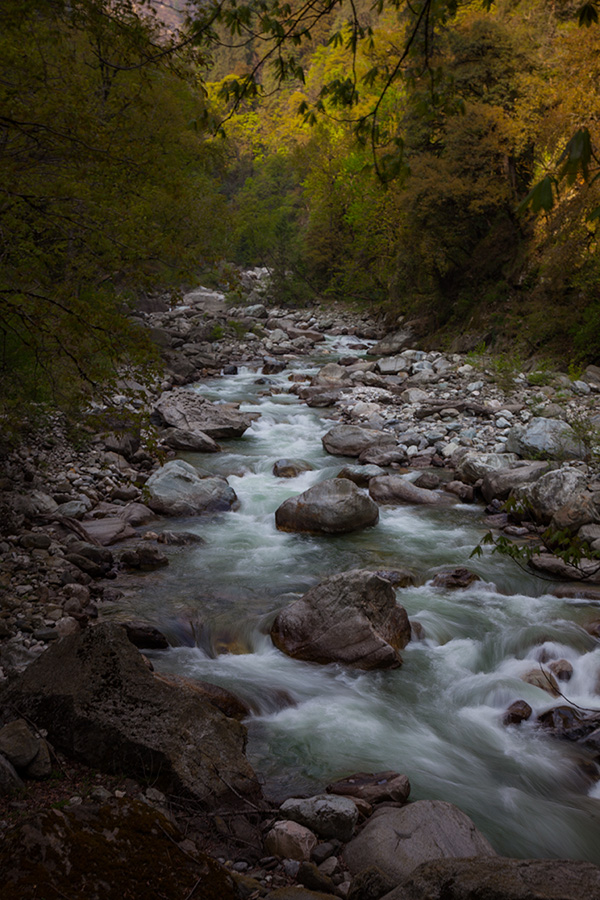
point(396, 489)
point(398, 840)
point(99, 703)
point(545, 496)
point(351, 440)
point(393, 343)
point(498, 483)
point(548, 438)
point(335, 506)
point(350, 618)
point(176, 489)
point(500, 879)
point(331, 375)
point(470, 466)
point(328, 816)
point(192, 413)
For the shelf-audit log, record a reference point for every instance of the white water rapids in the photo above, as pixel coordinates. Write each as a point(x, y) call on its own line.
point(438, 718)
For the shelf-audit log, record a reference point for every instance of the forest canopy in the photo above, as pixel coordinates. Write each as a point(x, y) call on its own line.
point(436, 158)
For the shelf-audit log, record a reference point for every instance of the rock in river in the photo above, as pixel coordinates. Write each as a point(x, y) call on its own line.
point(336, 506)
point(351, 440)
point(100, 704)
point(177, 490)
point(350, 618)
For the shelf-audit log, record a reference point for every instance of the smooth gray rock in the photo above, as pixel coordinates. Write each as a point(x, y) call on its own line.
point(335, 506)
point(351, 440)
point(176, 489)
point(196, 441)
point(398, 840)
point(501, 879)
point(100, 704)
point(331, 375)
point(325, 814)
point(360, 475)
point(396, 489)
point(548, 438)
point(350, 618)
point(35, 503)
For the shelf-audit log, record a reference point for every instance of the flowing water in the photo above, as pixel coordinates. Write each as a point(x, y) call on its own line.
point(438, 718)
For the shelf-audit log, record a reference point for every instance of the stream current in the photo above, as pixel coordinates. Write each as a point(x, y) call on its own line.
point(438, 719)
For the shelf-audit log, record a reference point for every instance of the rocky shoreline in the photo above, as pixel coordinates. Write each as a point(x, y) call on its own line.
point(73, 528)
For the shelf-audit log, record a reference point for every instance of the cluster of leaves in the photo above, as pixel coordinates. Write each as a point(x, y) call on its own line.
point(574, 552)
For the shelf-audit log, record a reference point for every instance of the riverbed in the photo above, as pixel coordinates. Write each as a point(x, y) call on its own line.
point(438, 719)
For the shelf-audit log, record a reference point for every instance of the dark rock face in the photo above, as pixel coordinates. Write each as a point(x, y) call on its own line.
point(457, 578)
point(74, 852)
point(517, 712)
point(100, 704)
point(500, 879)
point(330, 507)
point(351, 618)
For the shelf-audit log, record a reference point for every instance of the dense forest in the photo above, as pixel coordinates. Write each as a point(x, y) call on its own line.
point(436, 159)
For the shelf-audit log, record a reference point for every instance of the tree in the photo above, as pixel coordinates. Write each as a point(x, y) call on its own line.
point(106, 189)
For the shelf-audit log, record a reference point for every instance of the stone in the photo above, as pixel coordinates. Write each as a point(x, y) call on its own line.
point(464, 492)
point(289, 840)
point(382, 455)
point(398, 840)
point(583, 509)
point(360, 475)
point(176, 489)
point(145, 637)
point(18, 743)
point(499, 483)
point(144, 557)
point(335, 506)
point(396, 489)
point(119, 848)
point(9, 779)
point(315, 880)
point(393, 343)
point(331, 375)
point(297, 893)
point(108, 531)
point(456, 579)
point(350, 618)
point(587, 570)
point(561, 669)
point(545, 496)
point(373, 788)
point(34, 503)
point(500, 879)
point(470, 466)
point(541, 679)
point(328, 816)
point(517, 712)
point(191, 412)
point(41, 765)
point(290, 468)
point(548, 438)
point(351, 440)
point(195, 441)
point(370, 884)
point(392, 365)
point(100, 704)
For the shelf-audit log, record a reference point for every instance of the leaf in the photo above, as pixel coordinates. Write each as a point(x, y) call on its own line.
point(541, 196)
point(576, 156)
point(587, 15)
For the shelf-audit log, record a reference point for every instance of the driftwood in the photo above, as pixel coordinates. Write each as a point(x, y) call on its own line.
point(458, 405)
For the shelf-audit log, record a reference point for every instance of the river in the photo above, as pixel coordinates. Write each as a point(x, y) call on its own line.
point(438, 718)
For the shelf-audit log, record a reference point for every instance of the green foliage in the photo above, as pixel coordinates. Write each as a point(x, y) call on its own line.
point(105, 190)
point(561, 544)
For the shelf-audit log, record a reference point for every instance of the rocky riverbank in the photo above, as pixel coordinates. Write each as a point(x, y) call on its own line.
point(76, 522)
